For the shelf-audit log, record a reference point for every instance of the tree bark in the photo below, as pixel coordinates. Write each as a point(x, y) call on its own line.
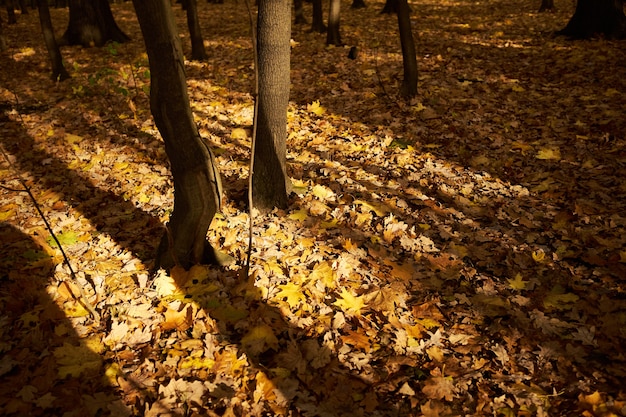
point(91, 23)
point(198, 53)
point(317, 24)
point(270, 183)
point(58, 70)
point(334, 36)
point(197, 186)
point(597, 17)
point(409, 56)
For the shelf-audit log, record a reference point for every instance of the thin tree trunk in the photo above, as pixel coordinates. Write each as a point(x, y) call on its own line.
point(3, 39)
point(358, 4)
point(409, 56)
point(198, 53)
point(197, 187)
point(334, 15)
point(298, 11)
point(58, 70)
point(317, 25)
point(270, 183)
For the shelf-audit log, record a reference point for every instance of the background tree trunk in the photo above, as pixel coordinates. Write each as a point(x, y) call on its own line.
point(546, 5)
point(334, 15)
point(3, 39)
point(409, 56)
point(298, 11)
point(595, 17)
point(198, 53)
point(391, 6)
point(358, 4)
point(197, 187)
point(317, 24)
point(270, 183)
point(91, 24)
point(58, 70)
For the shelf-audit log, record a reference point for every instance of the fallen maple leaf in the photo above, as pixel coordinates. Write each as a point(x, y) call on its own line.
point(350, 304)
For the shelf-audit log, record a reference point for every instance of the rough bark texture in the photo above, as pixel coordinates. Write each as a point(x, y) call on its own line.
point(597, 17)
point(58, 70)
point(91, 23)
point(197, 187)
point(270, 183)
point(409, 57)
point(317, 24)
point(334, 36)
point(198, 53)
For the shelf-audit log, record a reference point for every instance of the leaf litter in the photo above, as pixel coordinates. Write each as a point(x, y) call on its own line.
point(463, 253)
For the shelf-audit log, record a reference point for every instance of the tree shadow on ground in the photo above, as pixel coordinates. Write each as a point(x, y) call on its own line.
point(47, 368)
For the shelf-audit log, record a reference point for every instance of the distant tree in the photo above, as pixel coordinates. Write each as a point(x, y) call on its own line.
point(91, 23)
point(197, 186)
point(270, 183)
point(334, 15)
point(58, 70)
point(317, 24)
point(198, 53)
point(390, 7)
point(358, 4)
point(3, 39)
point(11, 18)
point(597, 17)
point(546, 5)
point(298, 11)
point(409, 56)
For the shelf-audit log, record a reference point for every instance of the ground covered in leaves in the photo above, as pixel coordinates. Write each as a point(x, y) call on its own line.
point(460, 254)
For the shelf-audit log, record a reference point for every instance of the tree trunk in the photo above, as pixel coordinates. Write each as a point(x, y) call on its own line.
point(11, 18)
point(391, 6)
point(358, 4)
point(58, 70)
point(91, 23)
point(546, 5)
point(198, 53)
point(334, 36)
point(409, 57)
point(317, 25)
point(298, 11)
point(3, 39)
point(197, 187)
point(597, 17)
point(270, 183)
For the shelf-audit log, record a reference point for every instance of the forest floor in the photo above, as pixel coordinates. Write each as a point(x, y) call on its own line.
point(463, 253)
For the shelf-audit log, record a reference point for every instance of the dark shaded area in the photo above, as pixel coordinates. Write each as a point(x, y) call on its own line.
point(47, 368)
point(596, 17)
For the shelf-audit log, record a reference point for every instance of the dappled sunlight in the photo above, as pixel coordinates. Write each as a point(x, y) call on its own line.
point(458, 254)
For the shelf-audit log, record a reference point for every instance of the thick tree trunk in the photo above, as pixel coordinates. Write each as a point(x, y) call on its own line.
point(197, 187)
point(334, 36)
point(91, 23)
point(198, 53)
point(58, 70)
point(409, 56)
point(270, 184)
point(317, 25)
point(597, 17)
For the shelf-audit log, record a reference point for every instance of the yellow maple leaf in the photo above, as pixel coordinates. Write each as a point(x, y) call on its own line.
point(259, 339)
point(291, 293)
point(323, 272)
point(316, 107)
point(517, 283)
point(549, 153)
point(350, 304)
